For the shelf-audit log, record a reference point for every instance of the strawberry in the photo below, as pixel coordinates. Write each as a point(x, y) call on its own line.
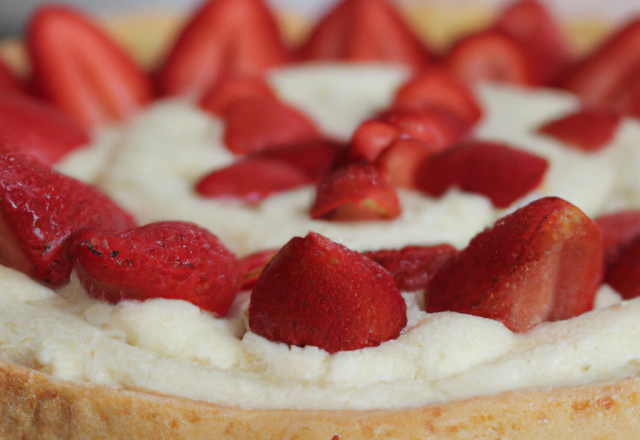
point(371, 138)
point(439, 88)
point(491, 55)
point(37, 129)
point(543, 262)
point(497, 171)
point(618, 230)
point(586, 130)
point(402, 160)
point(229, 90)
point(412, 266)
point(359, 191)
point(40, 210)
point(313, 158)
point(172, 260)
point(9, 82)
point(259, 123)
point(317, 292)
point(252, 265)
point(81, 70)
point(365, 30)
point(225, 38)
point(624, 273)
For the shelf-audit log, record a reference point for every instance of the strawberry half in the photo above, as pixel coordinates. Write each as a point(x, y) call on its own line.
point(365, 30)
point(586, 130)
point(619, 229)
point(39, 212)
point(230, 90)
point(402, 160)
point(413, 267)
point(225, 38)
point(81, 70)
point(252, 265)
point(497, 171)
point(624, 273)
point(37, 129)
point(317, 292)
point(543, 262)
point(9, 82)
point(172, 260)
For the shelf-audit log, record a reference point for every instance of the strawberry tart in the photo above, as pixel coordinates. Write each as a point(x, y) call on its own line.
point(346, 234)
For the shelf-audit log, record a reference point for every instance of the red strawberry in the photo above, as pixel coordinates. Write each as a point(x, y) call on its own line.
point(402, 160)
point(624, 273)
point(618, 231)
point(439, 88)
point(172, 260)
point(497, 171)
point(259, 123)
point(252, 265)
point(365, 30)
point(229, 90)
point(317, 292)
point(371, 138)
point(587, 130)
point(9, 82)
point(225, 38)
point(543, 262)
point(40, 210)
point(491, 55)
point(360, 191)
point(313, 157)
point(81, 70)
point(37, 129)
point(413, 266)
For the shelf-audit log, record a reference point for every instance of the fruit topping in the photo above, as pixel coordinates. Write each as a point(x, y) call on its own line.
point(497, 171)
point(252, 265)
point(229, 90)
point(543, 262)
point(9, 82)
point(37, 129)
point(413, 266)
point(619, 229)
point(359, 191)
point(40, 210)
point(365, 30)
point(317, 292)
point(403, 158)
point(172, 260)
point(586, 130)
point(81, 70)
point(225, 38)
point(624, 273)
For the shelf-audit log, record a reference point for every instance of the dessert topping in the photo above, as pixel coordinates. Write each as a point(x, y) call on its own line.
point(587, 130)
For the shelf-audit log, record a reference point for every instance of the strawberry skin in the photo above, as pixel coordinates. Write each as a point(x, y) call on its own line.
point(543, 262)
point(81, 70)
point(624, 274)
point(229, 90)
point(586, 130)
point(317, 292)
point(172, 260)
point(252, 265)
point(619, 229)
point(8, 81)
point(39, 212)
point(37, 129)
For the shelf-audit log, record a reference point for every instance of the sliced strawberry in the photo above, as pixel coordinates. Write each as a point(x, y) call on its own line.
point(313, 157)
point(172, 260)
point(497, 171)
point(371, 138)
point(586, 130)
point(531, 24)
point(491, 55)
point(258, 123)
point(626, 98)
point(229, 90)
point(225, 38)
point(80, 69)
point(9, 82)
point(413, 266)
point(317, 292)
point(360, 191)
point(402, 160)
point(599, 78)
point(365, 30)
point(252, 265)
point(439, 88)
point(618, 230)
point(543, 262)
point(37, 129)
point(624, 273)
point(40, 210)
point(251, 180)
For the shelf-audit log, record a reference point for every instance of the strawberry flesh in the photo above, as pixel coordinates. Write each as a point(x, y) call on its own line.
point(319, 293)
point(402, 160)
point(624, 273)
point(586, 130)
point(232, 89)
point(40, 210)
point(619, 229)
point(541, 263)
point(252, 265)
point(9, 82)
point(172, 260)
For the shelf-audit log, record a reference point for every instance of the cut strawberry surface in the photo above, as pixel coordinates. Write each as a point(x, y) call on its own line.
point(491, 55)
point(402, 160)
point(40, 210)
point(37, 129)
point(413, 267)
point(586, 130)
point(229, 90)
point(81, 70)
point(619, 229)
point(9, 82)
point(359, 191)
point(371, 138)
point(259, 123)
point(317, 292)
point(252, 265)
point(225, 38)
point(172, 260)
point(497, 171)
point(441, 89)
point(543, 262)
point(624, 273)
point(365, 30)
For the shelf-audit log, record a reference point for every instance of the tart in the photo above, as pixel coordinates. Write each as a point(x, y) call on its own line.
point(49, 393)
